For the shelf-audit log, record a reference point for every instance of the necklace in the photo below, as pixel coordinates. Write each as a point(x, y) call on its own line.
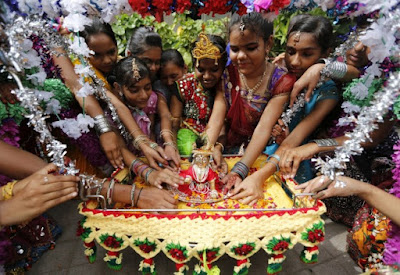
point(251, 91)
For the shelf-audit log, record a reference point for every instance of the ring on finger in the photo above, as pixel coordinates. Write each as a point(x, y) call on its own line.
point(46, 179)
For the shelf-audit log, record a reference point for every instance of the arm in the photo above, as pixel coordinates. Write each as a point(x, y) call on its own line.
point(308, 150)
point(11, 158)
point(35, 194)
point(217, 118)
point(374, 196)
point(310, 78)
point(260, 137)
point(152, 155)
point(176, 113)
point(171, 152)
point(108, 140)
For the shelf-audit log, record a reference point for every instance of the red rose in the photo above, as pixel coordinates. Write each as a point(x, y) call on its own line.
point(372, 237)
point(177, 254)
point(370, 227)
point(112, 242)
point(211, 255)
point(281, 246)
point(146, 248)
point(316, 235)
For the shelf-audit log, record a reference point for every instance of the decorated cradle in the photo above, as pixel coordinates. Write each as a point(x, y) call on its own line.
point(207, 232)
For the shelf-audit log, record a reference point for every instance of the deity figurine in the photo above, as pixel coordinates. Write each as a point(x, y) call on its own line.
point(200, 177)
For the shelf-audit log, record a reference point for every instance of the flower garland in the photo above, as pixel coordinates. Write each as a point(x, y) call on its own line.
point(391, 254)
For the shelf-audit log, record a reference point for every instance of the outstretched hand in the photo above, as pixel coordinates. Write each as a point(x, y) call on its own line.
point(37, 193)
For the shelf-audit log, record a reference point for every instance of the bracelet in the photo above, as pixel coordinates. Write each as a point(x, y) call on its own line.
point(166, 131)
point(220, 144)
point(278, 158)
point(110, 191)
point(276, 164)
point(133, 195)
point(241, 169)
point(326, 142)
point(153, 145)
point(134, 131)
point(138, 196)
point(139, 140)
point(146, 176)
point(101, 125)
point(171, 143)
point(7, 191)
point(334, 70)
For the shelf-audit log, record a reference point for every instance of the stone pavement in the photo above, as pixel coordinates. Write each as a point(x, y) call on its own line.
point(68, 258)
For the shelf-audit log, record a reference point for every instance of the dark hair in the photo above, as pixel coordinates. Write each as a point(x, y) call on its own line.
point(98, 27)
point(319, 26)
point(123, 73)
point(173, 56)
point(221, 45)
point(142, 38)
point(253, 22)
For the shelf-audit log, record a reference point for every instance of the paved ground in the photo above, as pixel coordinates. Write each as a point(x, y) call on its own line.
point(68, 259)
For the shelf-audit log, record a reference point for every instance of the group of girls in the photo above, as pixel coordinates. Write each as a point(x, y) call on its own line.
point(231, 108)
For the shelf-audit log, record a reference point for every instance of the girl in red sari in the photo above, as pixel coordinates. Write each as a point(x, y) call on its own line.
point(255, 91)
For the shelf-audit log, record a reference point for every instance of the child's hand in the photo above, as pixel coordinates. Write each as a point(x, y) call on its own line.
point(249, 191)
point(219, 164)
point(109, 143)
point(167, 176)
point(230, 180)
point(280, 132)
point(154, 156)
point(172, 155)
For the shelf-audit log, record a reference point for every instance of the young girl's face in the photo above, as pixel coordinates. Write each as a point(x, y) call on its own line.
point(358, 55)
point(105, 52)
point(209, 73)
point(152, 58)
point(170, 72)
point(302, 51)
point(137, 94)
point(248, 52)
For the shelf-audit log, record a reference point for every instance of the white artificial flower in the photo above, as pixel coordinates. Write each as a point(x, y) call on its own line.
point(26, 45)
point(30, 59)
point(74, 6)
point(85, 90)
point(360, 91)
point(69, 126)
point(85, 122)
point(53, 107)
point(350, 108)
point(373, 70)
point(38, 78)
point(325, 4)
point(76, 22)
point(80, 47)
point(344, 121)
point(83, 70)
point(43, 95)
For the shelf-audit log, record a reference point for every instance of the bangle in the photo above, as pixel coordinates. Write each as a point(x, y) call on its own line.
point(171, 143)
point(146, 176)
point(334, 70)
point(110, 191)
point(134, 131)
point(153, 145)
point(276, 164)
point(133, 195)
point(132, 167)
point(139, 140)
point(220, 144)
point(241, 169)
point(326, 142)
point(138, 196)
point(278, 158)
point(166, 131)
point(101, 125)
point(7, 190)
